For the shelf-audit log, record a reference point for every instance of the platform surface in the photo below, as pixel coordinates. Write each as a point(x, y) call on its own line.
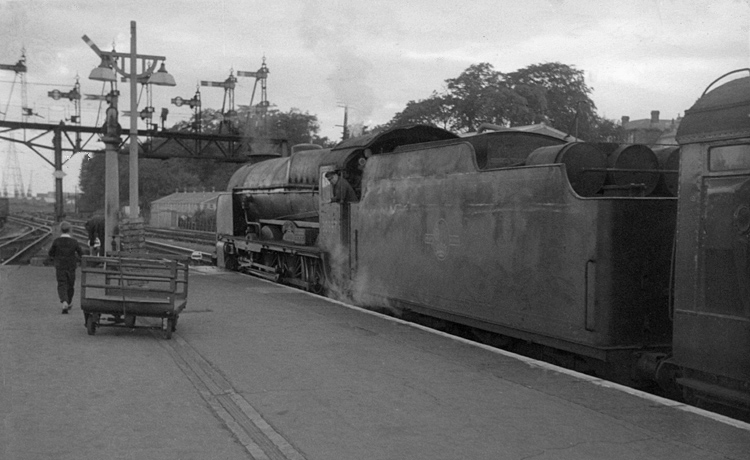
point(257, 370)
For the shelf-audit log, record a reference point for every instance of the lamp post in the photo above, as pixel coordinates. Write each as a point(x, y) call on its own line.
point(111, 138)
point(115, 62)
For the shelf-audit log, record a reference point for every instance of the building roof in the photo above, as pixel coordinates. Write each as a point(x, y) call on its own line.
point(539, 128)
point(647, 123)
point(187, 198)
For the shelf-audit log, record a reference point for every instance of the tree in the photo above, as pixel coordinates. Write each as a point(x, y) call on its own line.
point(606, 130)
point(436, 110)
point(297, 127)
point(565, 93)
point(482, 95)
point(91, 181)
point(471, 95)
point(553, 93)
point(479, 95)
point(157, 178)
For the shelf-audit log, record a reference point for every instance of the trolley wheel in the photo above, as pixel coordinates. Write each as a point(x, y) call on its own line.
point(170, 327)
point(174, 324)
point(129, 321)
point(91, 324)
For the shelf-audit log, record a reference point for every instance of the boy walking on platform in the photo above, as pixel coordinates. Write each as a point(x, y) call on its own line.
point(65, 252)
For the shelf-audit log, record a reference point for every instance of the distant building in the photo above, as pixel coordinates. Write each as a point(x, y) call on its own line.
point(47, 197)
point(193, 210)
point(650, 131)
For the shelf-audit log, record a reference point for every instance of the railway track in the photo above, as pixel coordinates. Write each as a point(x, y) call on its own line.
point(33, 232)
point(20, 246)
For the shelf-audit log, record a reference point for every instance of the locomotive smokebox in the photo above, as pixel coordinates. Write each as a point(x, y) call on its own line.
point(585, 164)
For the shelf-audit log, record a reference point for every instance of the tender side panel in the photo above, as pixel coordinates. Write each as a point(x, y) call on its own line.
point(511, 247)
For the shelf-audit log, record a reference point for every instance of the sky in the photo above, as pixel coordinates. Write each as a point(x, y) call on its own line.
point(374, 57)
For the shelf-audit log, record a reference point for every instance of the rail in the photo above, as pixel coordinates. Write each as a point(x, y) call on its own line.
point(190, 243)
point(16, 248)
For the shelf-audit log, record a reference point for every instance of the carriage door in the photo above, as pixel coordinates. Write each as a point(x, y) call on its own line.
point(726, 226)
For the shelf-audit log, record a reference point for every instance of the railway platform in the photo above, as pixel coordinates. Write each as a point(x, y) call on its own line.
point(257, 370)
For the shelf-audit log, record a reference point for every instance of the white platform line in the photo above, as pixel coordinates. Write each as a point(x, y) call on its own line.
point(543, 365)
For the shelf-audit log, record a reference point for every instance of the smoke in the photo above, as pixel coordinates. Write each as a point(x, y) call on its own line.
point(349, 84)
point(37, 35)
point(356, 129)
point(330, 35)
point(363, 289)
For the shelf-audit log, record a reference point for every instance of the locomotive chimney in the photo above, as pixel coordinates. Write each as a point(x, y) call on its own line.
point(654, 116)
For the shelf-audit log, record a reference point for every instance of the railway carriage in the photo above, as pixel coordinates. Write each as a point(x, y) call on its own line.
point(711, 356)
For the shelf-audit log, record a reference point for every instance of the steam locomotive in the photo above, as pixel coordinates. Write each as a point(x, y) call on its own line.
point(584, 252)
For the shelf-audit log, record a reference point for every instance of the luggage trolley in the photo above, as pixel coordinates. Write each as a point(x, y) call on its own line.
point(117, 289)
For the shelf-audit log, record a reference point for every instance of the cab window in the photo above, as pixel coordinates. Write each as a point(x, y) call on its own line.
point(729, 157)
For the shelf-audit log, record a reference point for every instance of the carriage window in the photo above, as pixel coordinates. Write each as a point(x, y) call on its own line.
point(729, 157)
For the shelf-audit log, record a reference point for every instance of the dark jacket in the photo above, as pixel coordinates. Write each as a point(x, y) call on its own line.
point(95, 228)
point(65, 252)
point(343, 192)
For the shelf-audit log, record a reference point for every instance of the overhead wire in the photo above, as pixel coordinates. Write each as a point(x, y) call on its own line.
point(36, 83)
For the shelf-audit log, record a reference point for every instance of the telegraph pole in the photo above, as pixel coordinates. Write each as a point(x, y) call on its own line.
point(58, 175)
point(345, 126)
point(106, 72)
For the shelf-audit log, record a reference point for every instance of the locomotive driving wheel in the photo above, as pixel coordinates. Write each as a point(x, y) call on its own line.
point(313, 275)
point(292, 267)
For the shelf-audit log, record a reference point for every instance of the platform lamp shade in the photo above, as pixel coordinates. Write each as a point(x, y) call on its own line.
point(104, 72)
point(162, 78)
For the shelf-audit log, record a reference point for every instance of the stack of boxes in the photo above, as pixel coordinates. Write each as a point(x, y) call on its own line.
point(132, 235)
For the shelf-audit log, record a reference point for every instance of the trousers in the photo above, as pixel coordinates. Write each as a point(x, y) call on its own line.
point(66, 283)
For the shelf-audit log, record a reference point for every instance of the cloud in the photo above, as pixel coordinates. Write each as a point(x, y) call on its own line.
point(345, 40)
point(376, 56)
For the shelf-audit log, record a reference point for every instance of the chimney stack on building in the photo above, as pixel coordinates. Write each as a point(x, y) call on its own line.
point(654, 116)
